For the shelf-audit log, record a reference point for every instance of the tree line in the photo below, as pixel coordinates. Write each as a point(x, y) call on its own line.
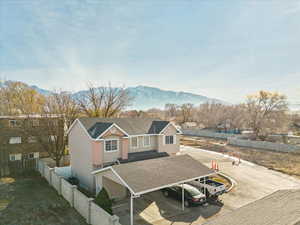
point(263, 113)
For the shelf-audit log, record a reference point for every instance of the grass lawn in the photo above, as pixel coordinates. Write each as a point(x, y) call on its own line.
point(31, 201)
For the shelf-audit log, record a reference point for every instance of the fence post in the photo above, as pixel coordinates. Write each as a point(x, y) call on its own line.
point(59, 186)
point(90, 213)
point(50, 175)
point(114, 220)
point(73, 187)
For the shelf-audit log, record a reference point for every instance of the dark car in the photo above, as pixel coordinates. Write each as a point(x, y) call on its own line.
point(192, 196)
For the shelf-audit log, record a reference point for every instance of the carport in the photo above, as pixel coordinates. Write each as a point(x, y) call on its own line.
point(154, 174)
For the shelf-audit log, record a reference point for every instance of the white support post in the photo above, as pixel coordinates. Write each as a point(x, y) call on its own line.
point(182, 199)
point(131, 209)
point(205, 190)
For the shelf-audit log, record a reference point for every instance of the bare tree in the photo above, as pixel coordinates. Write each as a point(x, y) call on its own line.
point(171, 110)
point(59, 112)
point(266, 113)
point(186, 112)
point(62, 103)
point(19, 98)
point(49, 134)
point(103, 101)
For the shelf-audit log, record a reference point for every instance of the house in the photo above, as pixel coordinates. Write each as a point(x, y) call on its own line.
point(17, 139)
point(99, 142)
point(279, 208)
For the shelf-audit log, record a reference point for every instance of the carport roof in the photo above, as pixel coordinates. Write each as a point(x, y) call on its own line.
point(149, 175)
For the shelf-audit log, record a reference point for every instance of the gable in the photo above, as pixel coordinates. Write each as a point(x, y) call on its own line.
point(170, 130)
point(113, 131)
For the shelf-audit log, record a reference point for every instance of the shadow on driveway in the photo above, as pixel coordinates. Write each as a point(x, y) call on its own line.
point(154, 208)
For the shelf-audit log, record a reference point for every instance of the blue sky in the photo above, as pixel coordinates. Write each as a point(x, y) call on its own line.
point(222, 49)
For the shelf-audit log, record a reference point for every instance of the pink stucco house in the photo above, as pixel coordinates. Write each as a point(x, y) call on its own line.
point(99, 142)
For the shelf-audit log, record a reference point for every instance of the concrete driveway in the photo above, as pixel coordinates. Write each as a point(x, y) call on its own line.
point(154, 208)
point(253, 181)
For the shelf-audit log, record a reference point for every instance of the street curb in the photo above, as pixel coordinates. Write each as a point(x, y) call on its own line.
point(231, 180)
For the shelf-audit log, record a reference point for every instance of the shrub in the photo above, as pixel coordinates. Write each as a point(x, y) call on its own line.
point(104, 201)
point(73, 180)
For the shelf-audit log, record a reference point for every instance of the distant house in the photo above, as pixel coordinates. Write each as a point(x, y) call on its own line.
point(187, 125)
point(99, 142)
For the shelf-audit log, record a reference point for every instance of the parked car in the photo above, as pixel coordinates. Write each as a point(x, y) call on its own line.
point(192, 196)
point(210, 187)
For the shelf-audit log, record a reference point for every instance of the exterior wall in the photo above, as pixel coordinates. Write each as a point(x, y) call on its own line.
point(97, 147)
point(141, 147)
point(6, 132)
point(112, 156)
point(80, 146)
point(171, 149)
point(115, 190)
point(125, 148)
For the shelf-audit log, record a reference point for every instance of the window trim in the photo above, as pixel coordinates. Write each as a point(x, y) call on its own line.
point(14, 126)
point(118, 145)
point(137, 142)
point(144, 141)
point(173, 142)
point(16, 158)
point(15, 143)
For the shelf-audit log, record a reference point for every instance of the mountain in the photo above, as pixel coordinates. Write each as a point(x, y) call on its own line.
point(145, 97)
point(149, 97)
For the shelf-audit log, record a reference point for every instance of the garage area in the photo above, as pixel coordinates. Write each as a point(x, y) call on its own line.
point(143, 180)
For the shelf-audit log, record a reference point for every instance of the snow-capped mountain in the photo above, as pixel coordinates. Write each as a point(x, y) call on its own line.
point(145, 97)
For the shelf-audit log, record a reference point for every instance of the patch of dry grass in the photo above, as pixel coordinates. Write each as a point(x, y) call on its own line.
point(288, 163)
point(31, 201)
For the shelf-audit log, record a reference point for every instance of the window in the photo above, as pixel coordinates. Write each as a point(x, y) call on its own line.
point(31, 156)
point(14, 123)
point(169, 140)
point(134, 142)
point(32, 139)
point(15, 140)
point(52, 138)
point(146, 141)
point(111, 145)
point(14, 157)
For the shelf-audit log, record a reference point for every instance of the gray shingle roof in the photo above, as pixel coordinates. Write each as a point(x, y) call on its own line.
point(98, 128)
point(280, 208)
point(132, 126)
point(155, 173)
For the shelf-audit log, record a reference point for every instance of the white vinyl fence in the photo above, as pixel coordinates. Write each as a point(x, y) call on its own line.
point(264, 145)
point(205, 133)
point(93, 214)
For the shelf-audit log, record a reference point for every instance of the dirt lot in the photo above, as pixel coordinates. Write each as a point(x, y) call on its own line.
point(31, 201)
point(288, 163)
